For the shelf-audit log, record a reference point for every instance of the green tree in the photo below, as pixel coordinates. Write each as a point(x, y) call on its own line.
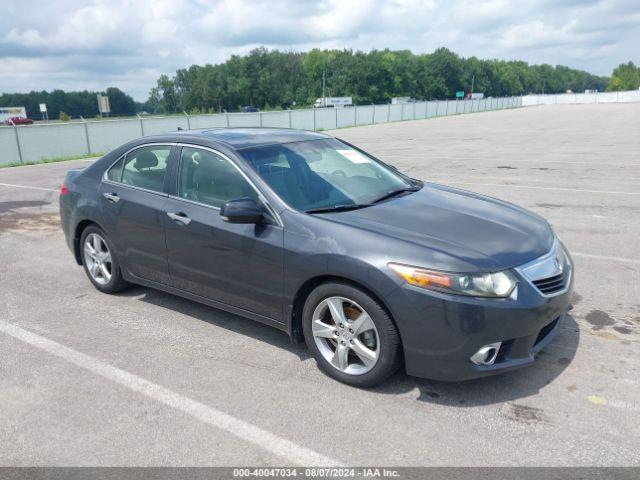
point(625, 76)
point(275, 78)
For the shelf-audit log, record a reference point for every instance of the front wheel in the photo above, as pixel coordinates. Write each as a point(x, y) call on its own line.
point(351, 336)
point(100, 262)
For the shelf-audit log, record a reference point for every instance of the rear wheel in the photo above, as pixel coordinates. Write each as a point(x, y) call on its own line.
point(351, 336)
point(100, 262)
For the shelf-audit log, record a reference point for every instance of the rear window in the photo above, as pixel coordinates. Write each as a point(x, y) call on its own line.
point(144, 167)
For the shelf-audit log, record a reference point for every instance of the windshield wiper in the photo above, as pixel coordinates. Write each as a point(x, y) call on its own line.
point(338, 208)
point(393, 193)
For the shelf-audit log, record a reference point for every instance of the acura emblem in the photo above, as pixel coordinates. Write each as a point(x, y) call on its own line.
point(558, 264)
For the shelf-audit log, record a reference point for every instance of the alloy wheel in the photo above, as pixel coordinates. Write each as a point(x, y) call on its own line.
point(345, 335)
point(97, 258)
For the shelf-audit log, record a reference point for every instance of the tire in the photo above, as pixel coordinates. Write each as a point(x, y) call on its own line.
point(101, 253)
point(354, 333)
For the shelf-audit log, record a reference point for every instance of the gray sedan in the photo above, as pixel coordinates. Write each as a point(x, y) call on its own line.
point(311, 235)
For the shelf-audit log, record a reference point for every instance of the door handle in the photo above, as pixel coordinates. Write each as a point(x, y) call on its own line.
point(112, 197)
point(179, 217)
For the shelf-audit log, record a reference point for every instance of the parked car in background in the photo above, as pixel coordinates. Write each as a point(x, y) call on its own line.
point(315, 237)
point(18, 121)
point(249, 109)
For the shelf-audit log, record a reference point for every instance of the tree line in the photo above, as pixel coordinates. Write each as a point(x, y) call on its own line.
point(275, 79)
point(61, 104)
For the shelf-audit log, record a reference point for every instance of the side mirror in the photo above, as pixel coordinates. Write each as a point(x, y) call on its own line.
point(241, 210)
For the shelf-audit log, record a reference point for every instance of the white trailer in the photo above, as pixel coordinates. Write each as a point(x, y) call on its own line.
point(10, 112)
point(333, 102)
point(401, 100)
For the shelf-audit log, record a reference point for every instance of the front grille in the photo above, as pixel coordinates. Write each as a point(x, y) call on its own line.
point(551, 284)
point(545, 330)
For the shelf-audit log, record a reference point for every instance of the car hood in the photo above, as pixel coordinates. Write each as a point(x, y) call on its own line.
point(462, 231)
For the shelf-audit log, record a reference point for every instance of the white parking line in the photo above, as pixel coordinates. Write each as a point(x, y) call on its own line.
point(29, 187)
point(505, 185)
point(605, 257)
point(246, 431)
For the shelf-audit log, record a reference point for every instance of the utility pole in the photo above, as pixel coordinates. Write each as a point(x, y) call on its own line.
point(324, 99)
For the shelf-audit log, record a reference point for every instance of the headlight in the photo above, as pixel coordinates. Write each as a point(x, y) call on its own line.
point(562, 256)
point(498, 284)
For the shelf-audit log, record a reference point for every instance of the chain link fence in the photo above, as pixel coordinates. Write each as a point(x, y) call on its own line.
point(30, 143)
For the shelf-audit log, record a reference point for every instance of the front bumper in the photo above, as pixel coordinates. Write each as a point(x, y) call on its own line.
point(440, 332)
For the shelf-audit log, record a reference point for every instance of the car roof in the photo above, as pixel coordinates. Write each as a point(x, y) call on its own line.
point(238, 138)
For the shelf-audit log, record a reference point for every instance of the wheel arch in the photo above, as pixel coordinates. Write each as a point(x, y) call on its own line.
point(77, 235)
point(297, 306)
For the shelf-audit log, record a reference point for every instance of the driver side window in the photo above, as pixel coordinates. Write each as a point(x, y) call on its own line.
point(206, 177)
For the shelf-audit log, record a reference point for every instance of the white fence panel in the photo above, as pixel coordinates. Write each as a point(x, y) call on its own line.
point(207, 121)
point(630, 96)
point(275, 119)
point(421, 110)
point(381, 114)
point(156, 126)
point(8, 146)
point(432, 109)
point(326, 118)
point(395, 113)
point(605, 97)
point(302, 119)
point(52, 141)
point(451, 107)
point(107, 135)
point(346, 117)
point(244, 119)
point(407, 111)
point(581, 98)
point(364, 114)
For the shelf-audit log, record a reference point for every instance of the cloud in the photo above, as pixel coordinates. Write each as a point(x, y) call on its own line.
point(75, 44)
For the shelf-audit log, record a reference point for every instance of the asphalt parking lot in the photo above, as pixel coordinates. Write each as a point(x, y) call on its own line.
point(144, 378)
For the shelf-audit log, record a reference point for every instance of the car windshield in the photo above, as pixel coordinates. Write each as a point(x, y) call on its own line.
point(323, 174)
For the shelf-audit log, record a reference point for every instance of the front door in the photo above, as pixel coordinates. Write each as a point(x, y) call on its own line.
point(133, 203)
point(237, 264)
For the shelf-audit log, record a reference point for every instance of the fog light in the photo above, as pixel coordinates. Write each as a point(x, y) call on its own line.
point(487, 354)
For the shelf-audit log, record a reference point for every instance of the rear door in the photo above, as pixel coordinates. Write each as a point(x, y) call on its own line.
point(134, 196)
point(237, 264)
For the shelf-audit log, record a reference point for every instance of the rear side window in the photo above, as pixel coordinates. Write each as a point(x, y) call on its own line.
point(146, 167)
point(115, 172)
point(208, 178)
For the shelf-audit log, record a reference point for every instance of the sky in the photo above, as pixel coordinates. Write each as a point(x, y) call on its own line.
point(93, 44)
